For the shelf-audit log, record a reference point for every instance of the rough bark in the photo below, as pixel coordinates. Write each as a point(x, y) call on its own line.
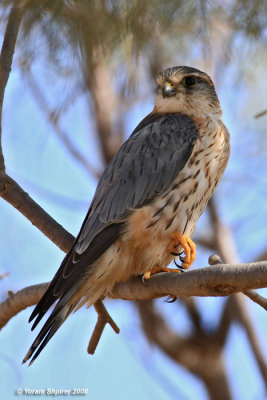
point(219, 280)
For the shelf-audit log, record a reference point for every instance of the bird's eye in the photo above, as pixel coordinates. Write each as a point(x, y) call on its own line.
point(189, 81)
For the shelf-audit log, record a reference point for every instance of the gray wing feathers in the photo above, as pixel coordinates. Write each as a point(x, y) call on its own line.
point(144, 167)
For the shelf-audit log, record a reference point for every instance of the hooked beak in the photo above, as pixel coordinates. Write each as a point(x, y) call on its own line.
point(168, 90)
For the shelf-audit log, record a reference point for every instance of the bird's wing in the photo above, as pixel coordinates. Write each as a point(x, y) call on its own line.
point(144, 167)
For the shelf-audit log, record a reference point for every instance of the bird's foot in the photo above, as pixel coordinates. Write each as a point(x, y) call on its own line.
point(177, 239)
point(156, 270)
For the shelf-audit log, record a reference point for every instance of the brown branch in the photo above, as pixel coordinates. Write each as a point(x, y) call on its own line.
point(242, 316)
point(236, 308)
point(220, 280)
point(260, 114)
point(102, 319)
point(15, 195)
point(225, 322)
point(254, 296)
point(192, 310)
point(17, 302)
point(223, 236)
point(6, 58)
point(9, 189)
point(199, 353)
point(4, 275)
point(105, 103)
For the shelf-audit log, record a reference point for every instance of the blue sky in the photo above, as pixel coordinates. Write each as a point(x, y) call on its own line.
point(125, 365)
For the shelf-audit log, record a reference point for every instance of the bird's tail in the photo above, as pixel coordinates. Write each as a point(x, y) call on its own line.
point(67, 304)
point(81, 279)
point(59, 315)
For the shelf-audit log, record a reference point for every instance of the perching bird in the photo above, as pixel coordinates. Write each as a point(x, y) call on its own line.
point(148, 199)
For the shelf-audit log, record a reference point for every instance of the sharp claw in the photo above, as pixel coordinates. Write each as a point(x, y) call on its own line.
point(176, 264)
point(181, 268)
point(146, 276)
point(176, 254)
point(185, 242)
point(171, 299)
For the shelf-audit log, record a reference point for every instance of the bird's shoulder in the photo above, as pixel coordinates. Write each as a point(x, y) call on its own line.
point(172, 120)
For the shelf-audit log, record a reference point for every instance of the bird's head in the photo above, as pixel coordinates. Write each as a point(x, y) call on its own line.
point(188, 91)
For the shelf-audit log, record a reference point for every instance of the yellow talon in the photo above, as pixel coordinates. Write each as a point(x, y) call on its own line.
point(156, 270)
point(177, 239)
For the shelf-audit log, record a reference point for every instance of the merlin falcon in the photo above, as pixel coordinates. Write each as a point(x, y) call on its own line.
point(148, 199)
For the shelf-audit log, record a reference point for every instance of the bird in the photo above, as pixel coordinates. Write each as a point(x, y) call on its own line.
point(147, 202)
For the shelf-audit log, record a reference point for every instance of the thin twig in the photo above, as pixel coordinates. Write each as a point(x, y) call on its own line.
point(17, 302)
point(237, 308)
point(4, 275)
point(103, 318)
point(260, 114)
point(6, 58)
point(254, 296)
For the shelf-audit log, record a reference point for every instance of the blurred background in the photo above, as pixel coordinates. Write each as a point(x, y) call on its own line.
point(83, 76)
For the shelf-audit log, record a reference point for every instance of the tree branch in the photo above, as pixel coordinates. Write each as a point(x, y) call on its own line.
point(260, 114)
point(220, 280)
point(6, 58)
point(194, 315)
point(199, 353)
point(105, 104)
point(254, 296)
point(15, 195)
point(103, 319)
point(235, 308)
point(17, 302)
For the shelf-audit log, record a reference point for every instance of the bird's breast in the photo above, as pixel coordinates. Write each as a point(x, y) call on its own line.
point(180, 206)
